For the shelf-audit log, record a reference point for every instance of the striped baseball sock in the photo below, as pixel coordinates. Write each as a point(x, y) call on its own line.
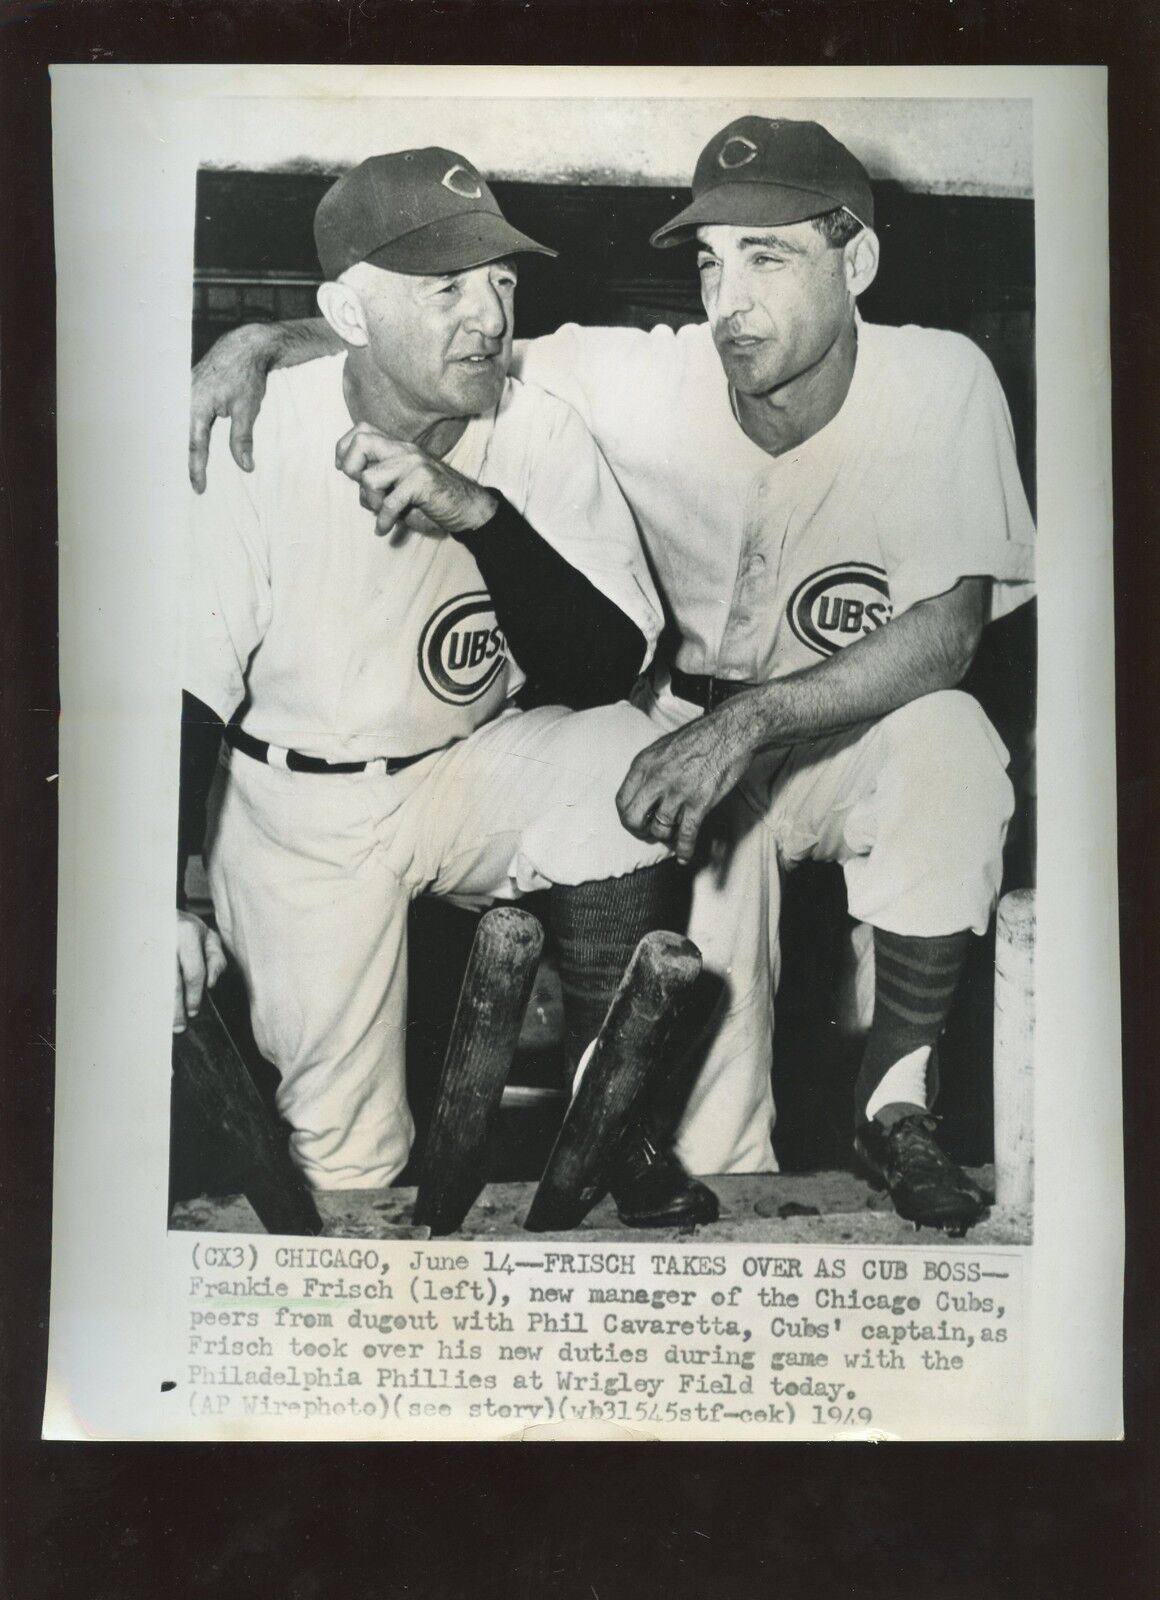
point(596, 927)
point(914, 984)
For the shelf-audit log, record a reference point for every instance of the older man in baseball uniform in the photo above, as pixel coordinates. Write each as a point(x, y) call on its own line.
point(833, 513)
point(364, 668)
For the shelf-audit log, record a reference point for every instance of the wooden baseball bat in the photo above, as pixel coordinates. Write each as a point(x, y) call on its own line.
point(484, 1035)
point(212, 1072)
point(629, 1056)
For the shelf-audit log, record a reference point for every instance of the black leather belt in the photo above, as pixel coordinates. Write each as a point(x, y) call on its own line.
point(295, 761)
point(702, 691)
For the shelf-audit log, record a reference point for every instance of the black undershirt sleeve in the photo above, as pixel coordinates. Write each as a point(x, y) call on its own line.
point(576, 647)
point(201, 737)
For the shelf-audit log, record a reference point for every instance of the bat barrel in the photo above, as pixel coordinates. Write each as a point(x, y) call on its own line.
point(496, 988)
point(629, 1057)
point(211, 1072)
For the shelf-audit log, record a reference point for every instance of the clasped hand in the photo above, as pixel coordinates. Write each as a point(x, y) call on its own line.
point(409, 490)
point(673, 785)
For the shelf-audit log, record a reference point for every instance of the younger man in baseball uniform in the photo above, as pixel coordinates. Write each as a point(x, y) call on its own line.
point(364, 672)
point(833, 512)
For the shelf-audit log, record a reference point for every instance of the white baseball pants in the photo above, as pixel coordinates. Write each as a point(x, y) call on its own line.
point(312, 876)
point(915, 807)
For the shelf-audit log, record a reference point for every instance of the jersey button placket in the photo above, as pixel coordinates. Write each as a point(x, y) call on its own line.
point(750, 588)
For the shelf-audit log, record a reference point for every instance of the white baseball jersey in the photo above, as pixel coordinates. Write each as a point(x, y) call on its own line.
point(770, 564)
point(347, 646)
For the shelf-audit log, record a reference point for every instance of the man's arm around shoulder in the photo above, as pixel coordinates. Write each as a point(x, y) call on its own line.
point(230, 381)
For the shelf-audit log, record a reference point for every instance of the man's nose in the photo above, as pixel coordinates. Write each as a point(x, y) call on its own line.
point(486, 312)
point(733, 297)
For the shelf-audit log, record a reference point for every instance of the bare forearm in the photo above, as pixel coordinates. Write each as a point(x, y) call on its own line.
point(303, 339)
point(230, 381)
point(927, 649)
point(673, 785)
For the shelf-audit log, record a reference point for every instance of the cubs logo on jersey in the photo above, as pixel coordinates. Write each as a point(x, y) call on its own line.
point(833, 607)
point(462, 650)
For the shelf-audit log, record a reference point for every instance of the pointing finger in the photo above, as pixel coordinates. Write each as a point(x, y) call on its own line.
point(242, 434)
point(200, 422)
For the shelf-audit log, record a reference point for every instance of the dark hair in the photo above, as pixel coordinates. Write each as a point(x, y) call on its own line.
point(837, 227)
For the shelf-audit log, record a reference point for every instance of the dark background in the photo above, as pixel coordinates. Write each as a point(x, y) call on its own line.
point(952, 1522)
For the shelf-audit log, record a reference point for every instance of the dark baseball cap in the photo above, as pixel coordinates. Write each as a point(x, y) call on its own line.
point(418, 211)
point(766, 172)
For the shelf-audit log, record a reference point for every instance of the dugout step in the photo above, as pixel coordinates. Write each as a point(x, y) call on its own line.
point(820, 1208)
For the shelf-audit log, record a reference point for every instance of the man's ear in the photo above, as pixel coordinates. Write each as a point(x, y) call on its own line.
point(343, 309)
point(861, 261)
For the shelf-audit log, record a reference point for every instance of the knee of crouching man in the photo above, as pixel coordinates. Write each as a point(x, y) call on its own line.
point(962, 759)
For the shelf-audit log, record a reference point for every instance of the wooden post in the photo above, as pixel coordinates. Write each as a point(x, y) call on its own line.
point(1014, 1048)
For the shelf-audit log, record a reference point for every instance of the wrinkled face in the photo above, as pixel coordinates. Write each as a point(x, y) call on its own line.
point(444, 343)
point(776, 298)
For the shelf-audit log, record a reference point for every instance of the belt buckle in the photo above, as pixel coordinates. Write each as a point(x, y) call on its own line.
point(377, 768)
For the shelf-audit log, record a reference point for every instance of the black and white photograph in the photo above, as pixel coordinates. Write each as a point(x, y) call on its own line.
point(605, 711)
point(624, 561)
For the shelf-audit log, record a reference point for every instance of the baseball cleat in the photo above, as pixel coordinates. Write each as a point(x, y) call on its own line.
point(652, 1189)
point(926, 1186)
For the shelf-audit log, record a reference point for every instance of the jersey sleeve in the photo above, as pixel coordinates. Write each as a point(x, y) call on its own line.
point(958, 509)
point(228, 581)
point(567, 493)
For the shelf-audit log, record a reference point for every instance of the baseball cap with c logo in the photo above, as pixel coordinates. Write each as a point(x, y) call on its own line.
point(419, 211)
point(767, 172)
